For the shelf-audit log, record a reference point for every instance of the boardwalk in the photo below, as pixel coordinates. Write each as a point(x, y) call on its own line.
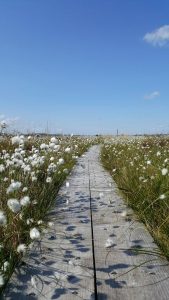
point(89, 252)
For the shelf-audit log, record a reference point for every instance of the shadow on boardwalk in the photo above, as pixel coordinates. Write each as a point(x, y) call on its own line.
point(60, 266)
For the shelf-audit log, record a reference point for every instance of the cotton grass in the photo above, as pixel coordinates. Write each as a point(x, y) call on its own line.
point(32, 169)
point(142, 177)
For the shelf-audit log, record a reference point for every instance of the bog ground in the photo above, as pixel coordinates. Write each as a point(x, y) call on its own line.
point(96, 248)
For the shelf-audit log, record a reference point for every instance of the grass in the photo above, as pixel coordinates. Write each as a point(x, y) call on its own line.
point(40, 166)
point(140, 169)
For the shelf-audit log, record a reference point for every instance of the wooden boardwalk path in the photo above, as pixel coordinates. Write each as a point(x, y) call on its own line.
point(73, 260)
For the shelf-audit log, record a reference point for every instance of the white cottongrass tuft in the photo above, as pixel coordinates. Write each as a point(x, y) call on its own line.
point(2, 168)
point(14, 186)
point(3, 219)
point(25, 201)
point(34, 202)
point(54, 140)
point(67, 150)
point(40, 222)
point(50, 224)
point(48, 179)
point(61, 161)
point(34, 178)
point(52, 146)
point(3, 124)
point(56, 148)
point(34, 234)
point(109, 243)
point(21, 248)
point(162, 197)
point(14, 205)
point(164, 171)
point(29, 221)
point(27, 169)
point(17, 140)
point(43, 146)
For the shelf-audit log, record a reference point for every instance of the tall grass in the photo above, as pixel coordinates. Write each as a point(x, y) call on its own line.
point(36, 168)
point(140, 169)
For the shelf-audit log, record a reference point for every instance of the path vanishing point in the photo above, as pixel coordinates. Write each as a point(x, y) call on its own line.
point(89, 253)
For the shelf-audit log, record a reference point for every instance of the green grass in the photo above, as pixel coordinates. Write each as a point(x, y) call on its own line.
point(136, 166)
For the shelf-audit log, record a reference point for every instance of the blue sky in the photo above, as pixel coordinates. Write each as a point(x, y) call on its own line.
point(85, 66)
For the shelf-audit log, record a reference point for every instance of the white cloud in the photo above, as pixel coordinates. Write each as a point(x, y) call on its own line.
point(153, 95)
point(158, 37)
